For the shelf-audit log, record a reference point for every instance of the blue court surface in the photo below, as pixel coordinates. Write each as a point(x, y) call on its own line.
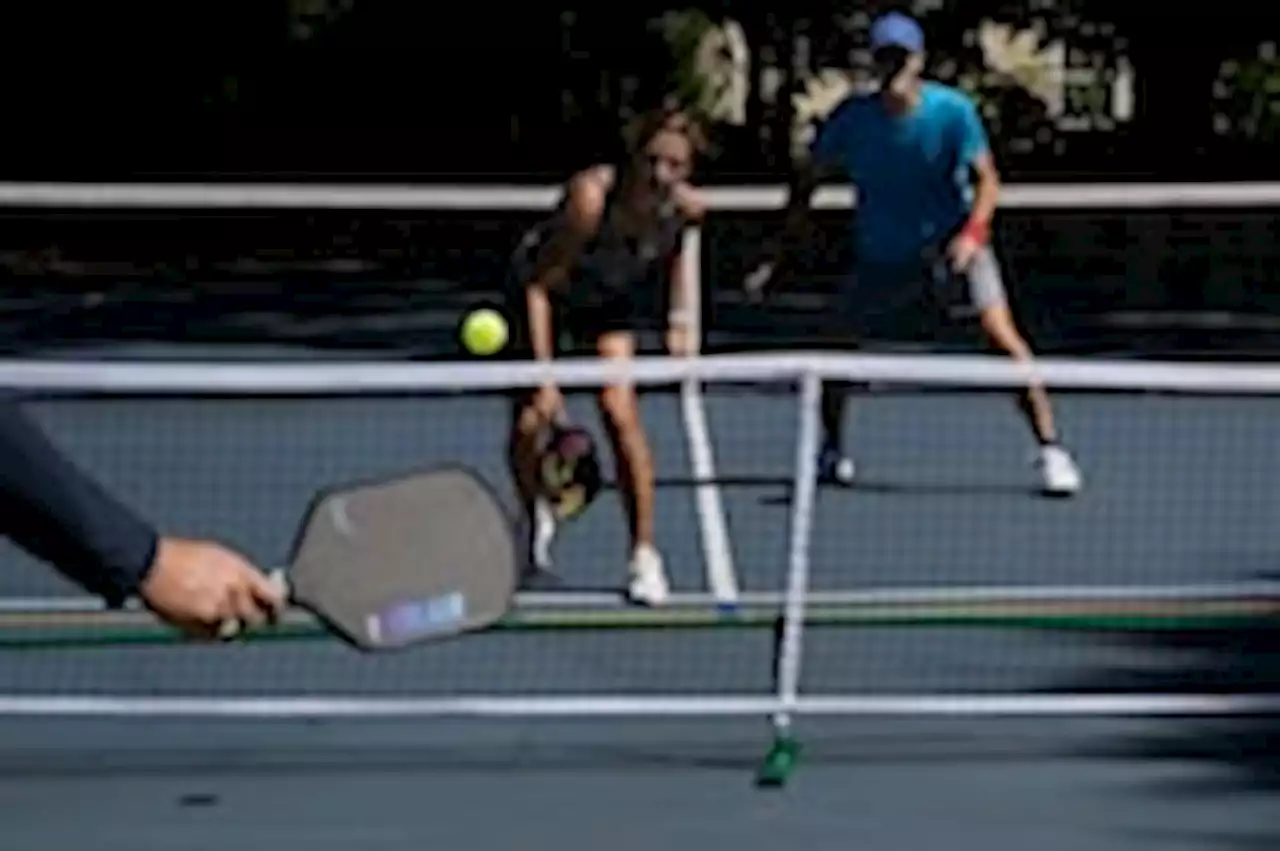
point(1179, 490)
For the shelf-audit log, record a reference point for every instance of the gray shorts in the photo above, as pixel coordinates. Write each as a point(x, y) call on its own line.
point(887, 301)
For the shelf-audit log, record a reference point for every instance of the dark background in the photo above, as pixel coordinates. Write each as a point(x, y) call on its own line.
point(396, 90)
point(374, 90)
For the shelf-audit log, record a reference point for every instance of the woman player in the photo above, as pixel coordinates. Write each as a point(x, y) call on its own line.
point(596, 270)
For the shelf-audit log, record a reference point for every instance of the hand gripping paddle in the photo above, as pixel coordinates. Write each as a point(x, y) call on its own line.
point(417, 558)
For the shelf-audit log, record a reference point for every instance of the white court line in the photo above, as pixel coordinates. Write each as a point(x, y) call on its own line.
point(722, 578)
point(893, 596)
point(717, 553)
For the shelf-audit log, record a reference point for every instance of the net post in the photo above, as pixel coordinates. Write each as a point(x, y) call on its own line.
point(781, 759)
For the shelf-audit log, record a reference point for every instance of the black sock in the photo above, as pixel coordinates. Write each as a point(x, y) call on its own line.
point(1024, 406)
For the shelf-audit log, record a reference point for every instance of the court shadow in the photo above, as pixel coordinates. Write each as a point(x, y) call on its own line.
point(944, 488)
point(553, 583)
point(1235, 841)
point(728, 482)
point(1238, 752)
point(532, 753)
point(917, 489)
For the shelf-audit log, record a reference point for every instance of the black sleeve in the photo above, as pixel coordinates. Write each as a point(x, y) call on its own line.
point(58, 513)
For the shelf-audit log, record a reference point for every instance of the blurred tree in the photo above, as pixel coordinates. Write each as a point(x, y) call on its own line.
point(359, 85)
point(1248, 96)
point(309, 19)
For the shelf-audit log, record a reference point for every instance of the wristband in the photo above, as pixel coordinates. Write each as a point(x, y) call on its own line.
point(977, 230)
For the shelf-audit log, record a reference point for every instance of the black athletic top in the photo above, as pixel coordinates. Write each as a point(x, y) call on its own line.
point(614, 270)
point(56, 512)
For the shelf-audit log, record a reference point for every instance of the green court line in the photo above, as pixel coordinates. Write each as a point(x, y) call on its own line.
point(105, 629)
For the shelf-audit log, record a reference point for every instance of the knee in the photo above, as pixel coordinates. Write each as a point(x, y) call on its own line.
point(998, 324)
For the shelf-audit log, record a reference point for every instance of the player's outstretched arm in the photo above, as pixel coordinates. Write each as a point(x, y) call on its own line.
point(809, 172)
point(819, 164)
point(805, 178)
point(583, 208)
point(975, 152)
point(58, 513)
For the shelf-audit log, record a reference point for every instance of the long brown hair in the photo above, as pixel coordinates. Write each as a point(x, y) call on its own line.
point(671, 117)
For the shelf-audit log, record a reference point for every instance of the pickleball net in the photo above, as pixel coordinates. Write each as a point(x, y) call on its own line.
point(943, 585)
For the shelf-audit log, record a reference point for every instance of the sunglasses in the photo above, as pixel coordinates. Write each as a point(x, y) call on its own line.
point(673, 163)
point(891, 58)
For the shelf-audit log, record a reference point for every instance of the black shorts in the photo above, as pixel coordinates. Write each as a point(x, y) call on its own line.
point(882, 301)
point(576, 328)
point(578, 321)
point(581, 316)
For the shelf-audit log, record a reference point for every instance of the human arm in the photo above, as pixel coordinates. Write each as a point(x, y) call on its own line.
point(583, 207)
point(820, 163)
point(809, 173)
point(975, 155)
point(55, 511)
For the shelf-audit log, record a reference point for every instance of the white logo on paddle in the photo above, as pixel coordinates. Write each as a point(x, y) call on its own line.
point(342, 520)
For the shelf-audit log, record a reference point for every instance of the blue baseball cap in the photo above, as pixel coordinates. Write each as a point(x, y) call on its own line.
point(897, 30)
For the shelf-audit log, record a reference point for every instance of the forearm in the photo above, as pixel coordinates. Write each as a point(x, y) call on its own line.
point(796, 222)
point(986, 199)
point(541, 331)
point(55, 511)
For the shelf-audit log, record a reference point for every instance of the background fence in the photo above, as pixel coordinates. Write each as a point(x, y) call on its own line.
point(1170, 269)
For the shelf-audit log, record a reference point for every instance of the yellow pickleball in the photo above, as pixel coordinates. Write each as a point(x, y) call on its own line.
point(484, 332)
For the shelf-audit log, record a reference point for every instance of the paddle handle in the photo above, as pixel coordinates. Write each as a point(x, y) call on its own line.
point(232, 628)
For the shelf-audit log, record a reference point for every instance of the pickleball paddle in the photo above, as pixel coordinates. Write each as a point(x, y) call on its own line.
point(403, 561)
point(569, 470)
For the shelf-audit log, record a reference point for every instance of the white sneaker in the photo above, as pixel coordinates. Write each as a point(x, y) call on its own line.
point(1061, 475)
point(836, 469)
point(648, 585)
point(542, 534)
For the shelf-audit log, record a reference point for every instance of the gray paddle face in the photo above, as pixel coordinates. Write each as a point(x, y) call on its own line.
point(413, 559)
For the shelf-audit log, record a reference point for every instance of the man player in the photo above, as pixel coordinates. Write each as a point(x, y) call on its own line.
point(54, 511)
point(912, 150)
point(595, 270)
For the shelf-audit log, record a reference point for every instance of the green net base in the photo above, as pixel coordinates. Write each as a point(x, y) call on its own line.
point(779, 763)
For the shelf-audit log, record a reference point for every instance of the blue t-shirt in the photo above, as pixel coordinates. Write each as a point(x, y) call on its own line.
point(912, 171)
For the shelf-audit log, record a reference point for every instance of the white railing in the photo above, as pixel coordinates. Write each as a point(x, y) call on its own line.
point(301, 196)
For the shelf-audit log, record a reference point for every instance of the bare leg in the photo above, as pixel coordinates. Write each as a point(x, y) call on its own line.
point(1061, 475)
point(523, 458)
point(861, 301)
point(620, 411)
point(522, 449)
point(1001, 330)
point(835, 403)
